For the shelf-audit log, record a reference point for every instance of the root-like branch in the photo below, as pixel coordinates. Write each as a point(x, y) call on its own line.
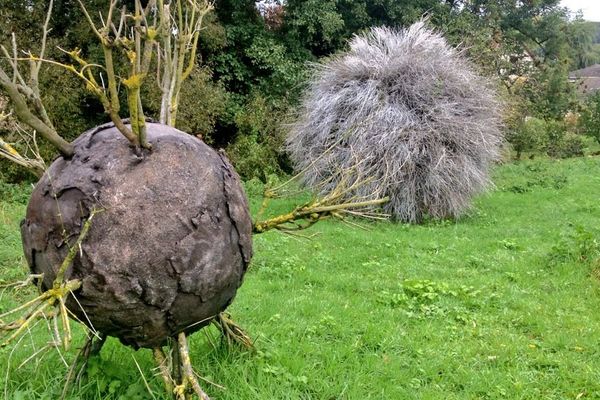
point(181, 381)
point(188, 376)
point(163, 366)
point(232, 332)
point(92, 347)
point(47, 305)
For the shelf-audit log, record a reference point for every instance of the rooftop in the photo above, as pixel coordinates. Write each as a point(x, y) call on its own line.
point(592, 71)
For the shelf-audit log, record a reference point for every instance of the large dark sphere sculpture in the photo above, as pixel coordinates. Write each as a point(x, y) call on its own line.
point(169, 247)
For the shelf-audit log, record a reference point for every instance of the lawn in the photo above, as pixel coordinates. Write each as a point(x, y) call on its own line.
point(502, 304)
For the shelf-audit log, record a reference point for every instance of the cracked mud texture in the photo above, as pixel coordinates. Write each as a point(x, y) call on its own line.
point(168, 251)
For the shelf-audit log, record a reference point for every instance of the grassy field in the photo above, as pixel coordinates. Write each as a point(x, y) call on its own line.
point(503, 304)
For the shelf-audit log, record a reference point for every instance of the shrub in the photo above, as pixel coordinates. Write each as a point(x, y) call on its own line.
point(404, 113)
point(555, 132)
point(529, 136)
point(255, 152)
point(579, 244)
point(589, 121)
point(551, 137)
point(14, 193)
point(561, 143)
point(571, 145)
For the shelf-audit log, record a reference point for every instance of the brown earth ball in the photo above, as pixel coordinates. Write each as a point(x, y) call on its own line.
point(170, 246)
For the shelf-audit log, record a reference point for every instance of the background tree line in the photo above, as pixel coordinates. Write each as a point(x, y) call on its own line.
point(252, 64)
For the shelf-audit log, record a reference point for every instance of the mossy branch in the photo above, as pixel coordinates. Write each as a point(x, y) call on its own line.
point(181, 381)
point(24, 113)
point(188, 380)
point(111, 101)
point(306, 215)
point(73, 250)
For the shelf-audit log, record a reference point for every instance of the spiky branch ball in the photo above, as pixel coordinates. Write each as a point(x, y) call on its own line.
point(406, 114)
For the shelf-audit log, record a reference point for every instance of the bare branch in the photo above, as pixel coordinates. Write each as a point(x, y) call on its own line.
point(306, 215)
point(45, 31)
point(427, 146)
point(9, 152)
point(90, 21)
point(35, 164)
point(24, 114)
point(178, 57)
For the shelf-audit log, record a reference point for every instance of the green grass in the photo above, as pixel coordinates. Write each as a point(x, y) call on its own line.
point(503, 304)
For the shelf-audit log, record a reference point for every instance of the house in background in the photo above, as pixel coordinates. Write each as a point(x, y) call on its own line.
point(587, 79)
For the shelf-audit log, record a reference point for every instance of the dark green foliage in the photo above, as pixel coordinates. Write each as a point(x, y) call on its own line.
point(569, 145)
point(202, 103)
point(555, 132)
point(261, 70)
point(530, 46)
point(318, 25)
point(251, 56)
point(537, 136)
point(581, 37)
point(324, 27)
point(562, 143)
point(14, 193)
point(257, 150)
point(11, 172)
point(548, 93)
point(590, 117)
point(530, 136)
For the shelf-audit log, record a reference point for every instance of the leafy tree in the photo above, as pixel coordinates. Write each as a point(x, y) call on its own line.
point(580, 38)
point(531, 136)
point(590, 117)
point(324, 27)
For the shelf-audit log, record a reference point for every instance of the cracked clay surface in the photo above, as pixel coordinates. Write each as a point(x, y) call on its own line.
point(170, 247)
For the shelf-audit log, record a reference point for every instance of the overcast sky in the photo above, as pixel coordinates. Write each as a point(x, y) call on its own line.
point(590, 8)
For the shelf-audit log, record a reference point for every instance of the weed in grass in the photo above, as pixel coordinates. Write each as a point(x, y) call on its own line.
point(425, 298)
point(535, 175)
point(509, 244)
point(579, 244)
point(287, 268)
point(109, 382)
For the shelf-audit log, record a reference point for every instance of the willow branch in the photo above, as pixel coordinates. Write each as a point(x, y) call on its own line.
point(196, 35)
point(90, 21)
point(26, 116)
point(111, 102)
point(34, 95)
point(188, 373)
point(73, 250)
point(178, 58)
point(162, 365)
point(10, 153)
point(304, 216)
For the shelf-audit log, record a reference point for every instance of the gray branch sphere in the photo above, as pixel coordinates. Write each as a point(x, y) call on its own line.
point(405, 114)
point(168, 251)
